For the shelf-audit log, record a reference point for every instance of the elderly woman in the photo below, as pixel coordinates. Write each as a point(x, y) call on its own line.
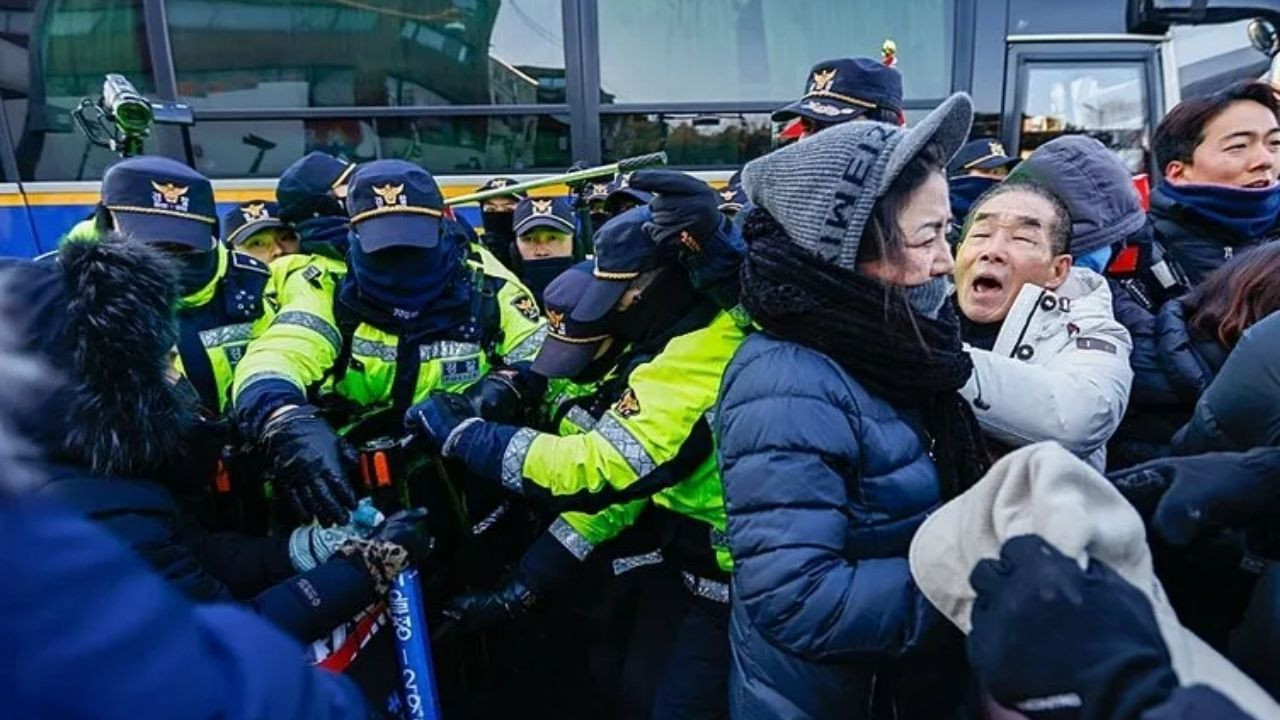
point(840, 424)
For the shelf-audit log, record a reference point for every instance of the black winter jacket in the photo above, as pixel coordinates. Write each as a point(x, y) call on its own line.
point(1240, 409)
point(1196, 246)
point(1171, 369)
point(217, 567)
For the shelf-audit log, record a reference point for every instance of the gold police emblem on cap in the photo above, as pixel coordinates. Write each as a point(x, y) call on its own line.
point(254, 211)
point(499, 183)
point(727, 195)
point(390, 194)
point(995, 148)
point(600, 189)
point(541, 207)
point(822, 80)
point(171, 192)
point(556, 320)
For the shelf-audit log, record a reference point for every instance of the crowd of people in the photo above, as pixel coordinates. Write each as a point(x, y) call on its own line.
point(893, 425)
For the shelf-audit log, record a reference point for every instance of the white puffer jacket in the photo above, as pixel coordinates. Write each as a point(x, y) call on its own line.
point(1059, 370)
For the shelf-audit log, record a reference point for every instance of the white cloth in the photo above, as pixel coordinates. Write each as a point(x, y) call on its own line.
point(1046, 491)
point(1059, 369)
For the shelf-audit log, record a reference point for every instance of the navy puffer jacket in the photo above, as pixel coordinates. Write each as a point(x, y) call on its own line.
point(825, 485)
point(1171, 369)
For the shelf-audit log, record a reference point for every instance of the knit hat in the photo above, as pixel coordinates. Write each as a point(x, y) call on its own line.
point(821, 189)
point(1094, 185)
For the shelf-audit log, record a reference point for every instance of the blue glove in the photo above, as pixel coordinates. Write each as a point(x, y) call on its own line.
point(687, 218)
point(435, 419)
point(686, 211)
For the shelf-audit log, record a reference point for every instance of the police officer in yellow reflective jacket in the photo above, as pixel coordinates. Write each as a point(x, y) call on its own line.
point(419, 310)
point(651, 449)
point(224, 293)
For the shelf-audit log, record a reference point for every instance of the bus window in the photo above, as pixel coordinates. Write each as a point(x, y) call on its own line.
point(61, 50)
point(303, 53)
point(1107, 101)
point(701, 139)
point(760, 50)
point(453, 144)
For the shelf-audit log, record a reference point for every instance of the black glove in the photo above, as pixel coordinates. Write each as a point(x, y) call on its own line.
point(1052, 640)
point(686, 210)
point(1214, 491)
point(474, 612)
point(506, 394)
point(312, 464)
point(409, 530)
point(435, 418)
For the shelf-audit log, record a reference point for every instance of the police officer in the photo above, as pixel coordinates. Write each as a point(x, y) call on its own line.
point(980, 165)
point(311, 194)
point(419, 310)
point(255, 229)
point(733, 197)
point(223, 304)
point(497, 215)
point(843, 90)
point(622, 197)
point(543, 248)
point(652, 448)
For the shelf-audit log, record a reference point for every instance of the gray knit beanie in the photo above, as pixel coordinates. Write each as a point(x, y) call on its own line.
point(822, 188)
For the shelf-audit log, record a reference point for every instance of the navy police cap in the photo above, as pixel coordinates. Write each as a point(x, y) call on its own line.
point(623, 250)
point(571, 344)
point(501, 182)
point(315, 184)
point(619, 190)
point(554, 213)
point(394, 203)
point(981, 154)
point(845, 89)
point(242, 221)
point(159, 200)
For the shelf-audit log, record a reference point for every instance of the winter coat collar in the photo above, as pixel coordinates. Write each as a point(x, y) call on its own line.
point(1083, 295)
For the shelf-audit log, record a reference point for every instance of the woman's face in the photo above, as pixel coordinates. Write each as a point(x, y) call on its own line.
point(923, 223)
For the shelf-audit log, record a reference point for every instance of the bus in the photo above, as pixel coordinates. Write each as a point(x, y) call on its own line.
point(473, 89)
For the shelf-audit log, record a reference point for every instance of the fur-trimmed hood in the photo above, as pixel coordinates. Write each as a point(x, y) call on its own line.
point(100, 315)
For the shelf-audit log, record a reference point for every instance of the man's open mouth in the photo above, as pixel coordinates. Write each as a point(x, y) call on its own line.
point(987, 284)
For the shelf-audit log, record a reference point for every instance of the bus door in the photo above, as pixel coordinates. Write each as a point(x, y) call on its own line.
point(1112, 91)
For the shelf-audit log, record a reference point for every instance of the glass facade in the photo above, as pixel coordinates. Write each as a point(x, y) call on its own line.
point(52, 54)
point(461, 86)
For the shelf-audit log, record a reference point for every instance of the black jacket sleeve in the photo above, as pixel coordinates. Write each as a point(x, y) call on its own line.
point(246, 565)
point(1241, 407)
point(311, 604)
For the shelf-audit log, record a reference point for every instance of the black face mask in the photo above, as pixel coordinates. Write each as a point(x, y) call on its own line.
point(195, 270)
point(599, 367)
point(659, 306)
point(499, 228)
point(538, 274)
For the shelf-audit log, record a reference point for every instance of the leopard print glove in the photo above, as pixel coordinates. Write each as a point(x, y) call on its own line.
point(382, 560)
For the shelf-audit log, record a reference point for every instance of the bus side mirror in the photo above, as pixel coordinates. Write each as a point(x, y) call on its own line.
point(1263, 37)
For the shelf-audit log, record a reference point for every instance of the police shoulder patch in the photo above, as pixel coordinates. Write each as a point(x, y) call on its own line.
point(628, 405)
point(526, 306)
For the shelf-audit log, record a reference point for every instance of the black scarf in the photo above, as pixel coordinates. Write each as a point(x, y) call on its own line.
point(901, 356)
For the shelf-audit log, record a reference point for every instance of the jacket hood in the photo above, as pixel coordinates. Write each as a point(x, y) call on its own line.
point(100, 315)
point(1097, 190)
point(1044, 490)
